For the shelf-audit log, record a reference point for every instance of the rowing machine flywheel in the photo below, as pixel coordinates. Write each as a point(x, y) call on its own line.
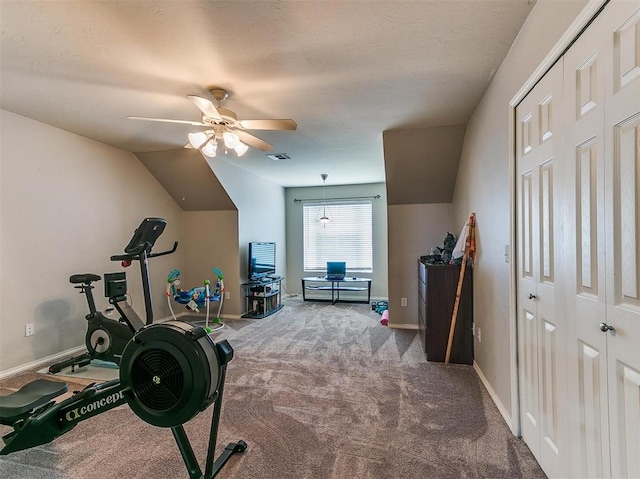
point(172, 372)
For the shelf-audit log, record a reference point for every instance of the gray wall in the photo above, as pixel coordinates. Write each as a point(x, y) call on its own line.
point(211, 240)
point(295, 255)
point(68, 204)
point(413, 231)
point(482, 187)
point(421, 164)
point(261, 217)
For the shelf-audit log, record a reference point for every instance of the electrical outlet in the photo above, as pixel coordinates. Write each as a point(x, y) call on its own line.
point(403, 302)
point(227, 295)
point(479, 335)
point(29, 329)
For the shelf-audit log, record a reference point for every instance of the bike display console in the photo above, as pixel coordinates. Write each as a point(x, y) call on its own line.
point(263, 297)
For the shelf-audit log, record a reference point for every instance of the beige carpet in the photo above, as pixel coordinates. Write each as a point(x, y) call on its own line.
point(317, 391)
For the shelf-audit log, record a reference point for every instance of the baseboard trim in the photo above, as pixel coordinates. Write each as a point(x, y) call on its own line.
point(505, 414)
point(41, 362)
point(403, 326)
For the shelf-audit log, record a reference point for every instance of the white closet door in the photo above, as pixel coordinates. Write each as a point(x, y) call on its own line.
point(579, 278)
point(621, 31)
point(541, 361)
point(602, 120)
point(584, 73)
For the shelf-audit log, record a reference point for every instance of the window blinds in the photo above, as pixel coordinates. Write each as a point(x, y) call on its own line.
point(347, 237)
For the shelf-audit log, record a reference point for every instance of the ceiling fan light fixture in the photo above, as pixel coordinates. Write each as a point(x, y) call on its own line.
point(241, 148)
point(324, 220)
point(210, 148)
point(230, 139)
point(197, 139)
point(225, 125)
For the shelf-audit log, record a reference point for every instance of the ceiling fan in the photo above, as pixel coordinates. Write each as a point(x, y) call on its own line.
point(224, 127)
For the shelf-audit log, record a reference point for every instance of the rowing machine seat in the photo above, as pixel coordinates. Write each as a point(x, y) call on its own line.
point(28, 397)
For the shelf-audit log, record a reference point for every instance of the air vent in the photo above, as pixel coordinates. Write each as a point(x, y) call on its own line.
point(279, 156)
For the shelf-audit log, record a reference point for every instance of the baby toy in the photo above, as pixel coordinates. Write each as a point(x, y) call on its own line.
point(198, 297)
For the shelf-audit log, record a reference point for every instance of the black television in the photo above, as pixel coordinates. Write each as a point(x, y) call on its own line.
point(262, 260)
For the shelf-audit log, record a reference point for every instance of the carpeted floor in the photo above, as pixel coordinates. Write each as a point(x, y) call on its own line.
point(317, 391)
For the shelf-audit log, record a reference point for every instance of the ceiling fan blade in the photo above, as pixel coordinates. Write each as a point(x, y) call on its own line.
point(253, 141)
point(269, 124)
point(205, 106)
point(165, 120)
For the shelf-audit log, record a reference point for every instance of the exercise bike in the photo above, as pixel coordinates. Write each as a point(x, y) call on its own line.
point(106, 338)
point(169, 372)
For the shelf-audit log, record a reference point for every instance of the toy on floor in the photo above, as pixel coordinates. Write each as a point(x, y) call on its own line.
point(198, 297)
point(379, 306)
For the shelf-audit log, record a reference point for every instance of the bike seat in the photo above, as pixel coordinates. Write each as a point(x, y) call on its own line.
point(85, 278)
point(30, 396)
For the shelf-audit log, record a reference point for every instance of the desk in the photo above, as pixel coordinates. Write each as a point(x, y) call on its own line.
point(320, 283)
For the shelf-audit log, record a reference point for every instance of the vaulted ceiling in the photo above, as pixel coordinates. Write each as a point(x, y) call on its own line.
point(345, 71)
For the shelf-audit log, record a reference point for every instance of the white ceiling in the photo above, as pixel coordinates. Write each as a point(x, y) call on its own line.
point(345, 71)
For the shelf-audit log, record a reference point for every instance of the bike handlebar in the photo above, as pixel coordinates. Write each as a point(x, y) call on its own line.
point(130, 257)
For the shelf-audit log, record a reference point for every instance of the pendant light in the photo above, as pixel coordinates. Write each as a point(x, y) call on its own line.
point(324, 219)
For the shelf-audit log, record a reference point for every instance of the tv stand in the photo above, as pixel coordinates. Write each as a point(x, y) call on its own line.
point(263, 297)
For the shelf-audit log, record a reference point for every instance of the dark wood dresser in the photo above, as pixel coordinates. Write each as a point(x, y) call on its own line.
point(436, 297)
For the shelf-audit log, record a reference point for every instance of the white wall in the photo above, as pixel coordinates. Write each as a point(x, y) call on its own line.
point(295, 251)
point(261, 217)
point(68, 204)
point(482, 187)
point(413, 231)
point(211, 240)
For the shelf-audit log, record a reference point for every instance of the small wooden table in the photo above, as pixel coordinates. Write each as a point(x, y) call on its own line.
point(321, 283)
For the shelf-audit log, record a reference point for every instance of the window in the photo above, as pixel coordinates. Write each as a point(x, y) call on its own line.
point(347, 237)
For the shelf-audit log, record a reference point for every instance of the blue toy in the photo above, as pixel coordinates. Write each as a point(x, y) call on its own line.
point(380, 306)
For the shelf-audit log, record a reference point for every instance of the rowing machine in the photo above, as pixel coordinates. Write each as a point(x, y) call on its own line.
point(169, 372)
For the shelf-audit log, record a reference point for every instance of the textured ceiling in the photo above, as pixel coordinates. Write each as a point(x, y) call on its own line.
point(345, 71)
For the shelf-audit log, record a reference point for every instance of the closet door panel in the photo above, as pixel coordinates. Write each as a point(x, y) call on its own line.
point(549, 329)
point(623, 299)
point(542, 359)
point(621, 35)
point(528, 275)
point(592, 460)
point(585, 275)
